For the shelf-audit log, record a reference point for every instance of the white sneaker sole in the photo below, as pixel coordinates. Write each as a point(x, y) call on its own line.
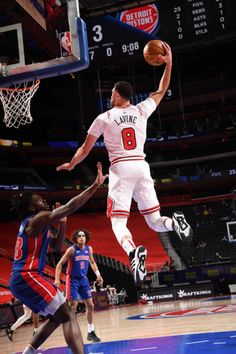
point(139, 260)
point(185, 234)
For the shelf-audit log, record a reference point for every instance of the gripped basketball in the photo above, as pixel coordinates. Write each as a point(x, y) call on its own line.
point(152, 50)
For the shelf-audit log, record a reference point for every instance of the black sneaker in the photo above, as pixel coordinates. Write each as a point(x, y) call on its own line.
point(9, 333)
point(181, 227)
point(93, 337)
point(137, 259)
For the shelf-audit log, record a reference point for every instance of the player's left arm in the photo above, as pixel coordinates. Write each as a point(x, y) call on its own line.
point(61, 234)
point(57, 242)
point(165, 80)
point(95, 267)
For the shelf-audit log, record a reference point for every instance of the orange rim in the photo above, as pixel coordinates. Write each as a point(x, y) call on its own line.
point(37, 82)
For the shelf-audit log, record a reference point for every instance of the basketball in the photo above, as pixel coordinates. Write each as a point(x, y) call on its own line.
point(152, 50)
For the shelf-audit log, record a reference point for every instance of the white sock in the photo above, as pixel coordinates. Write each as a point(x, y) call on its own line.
point(29, 350)
point(128, 246)
point(90, 327)
point(168, 223)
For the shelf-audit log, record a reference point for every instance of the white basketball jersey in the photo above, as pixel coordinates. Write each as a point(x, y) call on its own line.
point(124, 130)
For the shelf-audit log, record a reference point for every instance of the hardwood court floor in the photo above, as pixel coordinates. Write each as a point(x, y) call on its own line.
point(147, 321)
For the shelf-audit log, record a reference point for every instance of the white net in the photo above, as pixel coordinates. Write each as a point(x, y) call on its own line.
point(16, 103)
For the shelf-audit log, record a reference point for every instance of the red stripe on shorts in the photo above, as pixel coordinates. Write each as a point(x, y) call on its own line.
point(40, 285)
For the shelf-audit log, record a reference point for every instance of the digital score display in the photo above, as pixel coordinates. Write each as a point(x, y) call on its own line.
point(181, 23)
point(111, 41)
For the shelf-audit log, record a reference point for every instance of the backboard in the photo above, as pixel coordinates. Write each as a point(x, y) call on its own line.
point(11, 37)
point(30, 50)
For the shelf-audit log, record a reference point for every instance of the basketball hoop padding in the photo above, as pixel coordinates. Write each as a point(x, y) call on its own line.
point(16, 102)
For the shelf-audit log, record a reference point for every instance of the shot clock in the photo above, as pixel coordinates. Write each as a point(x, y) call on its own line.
point(130, 47)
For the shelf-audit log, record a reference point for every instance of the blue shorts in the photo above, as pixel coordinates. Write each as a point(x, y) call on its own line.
point(32, 289)
point(77, 286)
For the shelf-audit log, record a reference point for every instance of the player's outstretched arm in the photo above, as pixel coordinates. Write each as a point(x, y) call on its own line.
point(57, 241)
point(165, 80)
point(78, 201)
point(80, 154)
point(37, 223)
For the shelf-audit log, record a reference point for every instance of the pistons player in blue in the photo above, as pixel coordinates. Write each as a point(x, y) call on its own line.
point(79, 256)
point(27, 282)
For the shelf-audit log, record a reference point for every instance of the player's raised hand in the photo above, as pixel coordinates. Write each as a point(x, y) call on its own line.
point(167, 58)
point(100, 177)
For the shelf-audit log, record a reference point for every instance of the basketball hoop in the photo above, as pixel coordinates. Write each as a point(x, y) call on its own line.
point(16, 101)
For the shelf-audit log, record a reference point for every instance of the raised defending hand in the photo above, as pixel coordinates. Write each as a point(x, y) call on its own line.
point(100, 177)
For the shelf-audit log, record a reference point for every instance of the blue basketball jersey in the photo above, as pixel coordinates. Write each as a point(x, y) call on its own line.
point(78, 263)
point(30, 252)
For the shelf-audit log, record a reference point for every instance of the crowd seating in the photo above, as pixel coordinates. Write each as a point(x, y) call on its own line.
point(209, 222)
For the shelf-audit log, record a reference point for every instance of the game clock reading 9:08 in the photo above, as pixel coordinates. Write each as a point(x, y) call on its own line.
point(131, 47)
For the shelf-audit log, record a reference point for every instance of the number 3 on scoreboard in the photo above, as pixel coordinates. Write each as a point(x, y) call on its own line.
point(129, 139)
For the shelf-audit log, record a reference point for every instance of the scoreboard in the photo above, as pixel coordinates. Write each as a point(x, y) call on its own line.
point(185, 22)
point(111, 41)
point(181, 23)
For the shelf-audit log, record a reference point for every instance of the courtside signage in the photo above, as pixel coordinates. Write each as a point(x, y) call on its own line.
point(157, 297)
point(188, 312)
point(183, 294)
point(145, 18)
point(176, 293)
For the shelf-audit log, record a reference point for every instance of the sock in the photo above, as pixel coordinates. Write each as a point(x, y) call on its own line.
point(29, 350)
point(168, 223)
point(128, 246)
point(90, 327)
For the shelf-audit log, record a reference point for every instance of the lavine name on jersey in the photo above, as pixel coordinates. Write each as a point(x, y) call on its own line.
point(126, 119)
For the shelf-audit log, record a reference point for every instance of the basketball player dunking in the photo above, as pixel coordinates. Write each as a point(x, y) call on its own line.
point(124, 131)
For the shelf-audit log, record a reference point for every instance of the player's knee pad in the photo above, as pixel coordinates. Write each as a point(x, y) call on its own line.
point(27, 313)
point(119, 228)
point(152, 220)
point(28, 316)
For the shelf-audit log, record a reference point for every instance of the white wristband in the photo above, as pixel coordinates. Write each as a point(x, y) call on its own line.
point(97, 273)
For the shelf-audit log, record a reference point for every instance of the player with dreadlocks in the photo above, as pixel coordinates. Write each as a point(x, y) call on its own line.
point(27, 282)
